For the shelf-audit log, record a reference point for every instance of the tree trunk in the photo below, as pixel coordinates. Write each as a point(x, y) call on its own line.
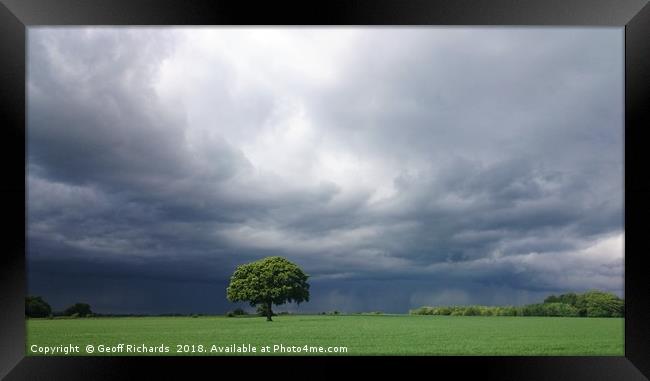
point(269, 312)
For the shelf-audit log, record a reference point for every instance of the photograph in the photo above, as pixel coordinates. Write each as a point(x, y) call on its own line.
point(325, 190)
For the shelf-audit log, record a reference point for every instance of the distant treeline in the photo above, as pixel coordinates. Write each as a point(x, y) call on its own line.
point(589, 304)
point(35, 306)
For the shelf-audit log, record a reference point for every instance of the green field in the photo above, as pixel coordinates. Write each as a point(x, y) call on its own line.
point(361, 334)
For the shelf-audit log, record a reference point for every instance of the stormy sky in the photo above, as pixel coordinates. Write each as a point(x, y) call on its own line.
point(398, 167)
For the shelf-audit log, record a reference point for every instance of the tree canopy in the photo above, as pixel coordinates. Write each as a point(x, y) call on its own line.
point(592, 303)
point(268, 281)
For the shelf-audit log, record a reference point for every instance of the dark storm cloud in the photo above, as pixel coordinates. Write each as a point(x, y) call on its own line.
point(462, 164)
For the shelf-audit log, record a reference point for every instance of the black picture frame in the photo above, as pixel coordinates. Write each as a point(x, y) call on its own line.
point(17, 15)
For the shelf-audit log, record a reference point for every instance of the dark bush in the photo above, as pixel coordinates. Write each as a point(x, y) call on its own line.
point(81, 309)
point(36, 307)
point(239, 311)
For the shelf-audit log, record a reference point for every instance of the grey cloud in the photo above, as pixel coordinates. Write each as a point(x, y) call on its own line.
point(502, 147)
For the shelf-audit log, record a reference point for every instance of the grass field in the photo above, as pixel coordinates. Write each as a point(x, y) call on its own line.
point(361, 334)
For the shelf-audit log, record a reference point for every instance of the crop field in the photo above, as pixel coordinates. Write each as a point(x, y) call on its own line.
point(324, 335)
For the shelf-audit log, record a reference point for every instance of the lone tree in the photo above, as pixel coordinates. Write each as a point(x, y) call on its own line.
point(272, 280)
